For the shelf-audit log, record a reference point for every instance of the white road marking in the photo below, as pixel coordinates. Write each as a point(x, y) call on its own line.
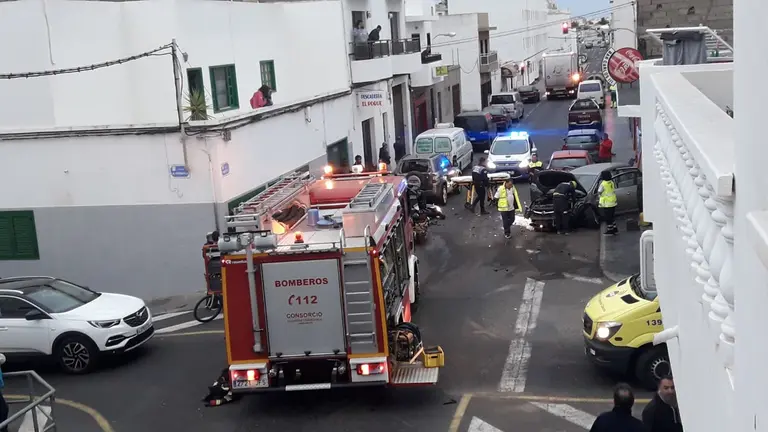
point(28, 424)
point(477, 425)
point(183, 326)
point(593, 280)
point(525, 116)
point(166, 316)
point(516, 367)
point(568, 413)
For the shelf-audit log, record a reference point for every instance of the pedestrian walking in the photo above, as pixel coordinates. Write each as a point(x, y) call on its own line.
point(384, 154)
point(605, 149)
point(619, 419)
point(562, 198)
point(507, 203)
point(607, 202)
point(399, 149)
point(480, 183)
point(3, 403)
point(662, 414)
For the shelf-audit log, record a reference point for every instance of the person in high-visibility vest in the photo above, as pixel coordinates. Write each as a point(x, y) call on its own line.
point(607, 202)
point(507, 202)
point(614, 98)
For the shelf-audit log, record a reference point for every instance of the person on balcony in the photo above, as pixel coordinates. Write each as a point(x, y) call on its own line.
point(662, 414)
point(262, 97)
point(3, 404)
point(359, 35)
point(620, 417)
point(374, 35)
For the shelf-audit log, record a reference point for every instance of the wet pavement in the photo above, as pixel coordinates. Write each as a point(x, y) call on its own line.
point(506, 312)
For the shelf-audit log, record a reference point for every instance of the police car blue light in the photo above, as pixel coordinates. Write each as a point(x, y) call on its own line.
point(516, 134)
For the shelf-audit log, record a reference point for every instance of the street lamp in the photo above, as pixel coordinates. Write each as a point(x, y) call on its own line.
point(451, 34)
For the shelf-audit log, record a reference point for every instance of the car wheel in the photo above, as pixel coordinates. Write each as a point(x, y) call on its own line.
point(652, 365)
point(416, 289)
point(76, 354)
point(443, 198)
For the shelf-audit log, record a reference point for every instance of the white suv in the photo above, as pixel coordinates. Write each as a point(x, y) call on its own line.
point(48, 316)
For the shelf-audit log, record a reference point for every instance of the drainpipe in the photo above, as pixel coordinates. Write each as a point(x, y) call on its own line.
point(214, 195)
point(179, 110)
point(251, 270)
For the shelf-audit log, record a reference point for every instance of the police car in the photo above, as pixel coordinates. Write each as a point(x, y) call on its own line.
point(511, 152)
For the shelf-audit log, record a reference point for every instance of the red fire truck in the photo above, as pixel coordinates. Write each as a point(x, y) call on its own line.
point(319, 282)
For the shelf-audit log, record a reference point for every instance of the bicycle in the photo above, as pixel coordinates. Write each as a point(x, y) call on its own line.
point(212, 302)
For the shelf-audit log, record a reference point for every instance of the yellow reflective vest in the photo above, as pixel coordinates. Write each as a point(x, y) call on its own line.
point(608, 196)
point(503, 204)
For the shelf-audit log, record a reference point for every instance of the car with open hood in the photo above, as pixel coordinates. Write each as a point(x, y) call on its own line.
point(628, 185)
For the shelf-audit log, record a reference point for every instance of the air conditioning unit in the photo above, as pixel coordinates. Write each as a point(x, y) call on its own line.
point(444, 125)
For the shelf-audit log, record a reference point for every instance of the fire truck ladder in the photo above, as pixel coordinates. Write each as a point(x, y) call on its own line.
point(358, 299)
point(275, 196)
point(368, 196)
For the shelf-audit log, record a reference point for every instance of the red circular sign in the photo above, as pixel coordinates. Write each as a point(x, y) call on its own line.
point(622, 66)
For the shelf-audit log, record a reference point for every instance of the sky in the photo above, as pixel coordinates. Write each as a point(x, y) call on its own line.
point(583, 7)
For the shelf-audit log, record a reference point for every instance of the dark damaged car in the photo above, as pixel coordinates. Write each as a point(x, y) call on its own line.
point(628, 181)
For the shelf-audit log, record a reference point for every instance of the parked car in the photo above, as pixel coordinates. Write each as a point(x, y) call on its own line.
point(447, 139)
point(583, 139)
point(585, 113)
point(431, 174)
point(499, 117)
point(567, 160)
point(629, 184)
point(529, 94)
point(479, 127)
point(511, 152)
point(72, 324)
point(511, 102)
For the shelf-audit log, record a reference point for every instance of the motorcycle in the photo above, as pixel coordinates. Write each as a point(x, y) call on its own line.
point(422, 214)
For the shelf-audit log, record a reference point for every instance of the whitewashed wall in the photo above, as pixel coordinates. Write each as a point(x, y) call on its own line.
point(311, 34)
point(463, 50)
point(624, 24)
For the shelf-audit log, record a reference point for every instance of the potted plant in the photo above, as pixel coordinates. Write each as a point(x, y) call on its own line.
point(196, 106)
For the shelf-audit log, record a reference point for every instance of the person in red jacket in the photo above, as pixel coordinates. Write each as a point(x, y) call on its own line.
point(605, 150)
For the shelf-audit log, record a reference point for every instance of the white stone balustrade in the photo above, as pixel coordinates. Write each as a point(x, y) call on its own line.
point(689, 197)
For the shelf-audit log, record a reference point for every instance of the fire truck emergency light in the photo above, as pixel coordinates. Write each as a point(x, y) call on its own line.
point(298, 237)
point(382, 167)
point(328, 170)
point(366, 369)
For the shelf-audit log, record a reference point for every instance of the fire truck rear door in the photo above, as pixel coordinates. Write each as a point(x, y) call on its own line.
point(304, 312)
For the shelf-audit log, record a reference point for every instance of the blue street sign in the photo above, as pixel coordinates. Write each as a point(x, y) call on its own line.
point(179, 171)
point(225, 168)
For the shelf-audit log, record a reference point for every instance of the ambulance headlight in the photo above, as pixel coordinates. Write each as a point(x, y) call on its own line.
point(606, 330)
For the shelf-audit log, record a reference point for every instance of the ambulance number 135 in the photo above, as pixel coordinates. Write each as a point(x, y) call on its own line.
point(295, 300)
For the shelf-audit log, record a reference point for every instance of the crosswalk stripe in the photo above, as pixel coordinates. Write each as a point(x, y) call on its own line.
point(166, 316)
point(183, 326)
point(28, 424)
point(568, 413)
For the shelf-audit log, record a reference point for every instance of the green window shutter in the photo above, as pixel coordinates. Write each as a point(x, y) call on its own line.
point(6, 237)
point(272, 76)
point(234, 100)
point(25, 236)
point(213, 89)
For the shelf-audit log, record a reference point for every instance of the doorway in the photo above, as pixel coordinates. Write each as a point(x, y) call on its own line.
point(456, 93)
point(397, 107)
point(485, 92)
point(439, 107)
point(394, 26)
point(368, 143)
point(338, 155)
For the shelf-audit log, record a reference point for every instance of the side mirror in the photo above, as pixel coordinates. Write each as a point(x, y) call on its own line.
point(35, 315)
point(487, 151)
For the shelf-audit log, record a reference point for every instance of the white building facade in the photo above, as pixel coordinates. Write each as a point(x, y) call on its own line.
point(624, 24)
point(704, 191)
point(109, 190)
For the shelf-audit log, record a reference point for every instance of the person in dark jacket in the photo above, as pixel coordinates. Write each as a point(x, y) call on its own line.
point(661, 414)
point(480, 184)
point(619, 419)
point(374, 36)
point(562, 198)
point(399, 149)
point(384, 154)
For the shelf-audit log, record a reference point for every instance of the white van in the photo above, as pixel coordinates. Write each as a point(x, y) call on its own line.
point(511, 102)
point(447, 139)
point(592, 89)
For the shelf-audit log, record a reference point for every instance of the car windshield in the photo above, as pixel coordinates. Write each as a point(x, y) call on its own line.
point(581, 139)
point(584, 105)
point(590, 87)
point(502, 99)
point(417, 165)
point(424, 146)
point(475, 123)
point(586, 180)
point(58, 296)
point(637, 288)
point(568, 162)
point(509, 147)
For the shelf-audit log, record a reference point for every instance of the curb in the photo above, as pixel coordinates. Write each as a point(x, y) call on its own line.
point(615, 277)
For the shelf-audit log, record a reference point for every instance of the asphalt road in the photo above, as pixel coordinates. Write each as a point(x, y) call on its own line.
point(506, 312)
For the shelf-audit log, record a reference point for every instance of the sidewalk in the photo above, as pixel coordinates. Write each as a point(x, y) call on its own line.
point(618, 129)
point(620, 253)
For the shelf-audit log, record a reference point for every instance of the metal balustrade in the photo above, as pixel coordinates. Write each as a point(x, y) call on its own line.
point(31, 403)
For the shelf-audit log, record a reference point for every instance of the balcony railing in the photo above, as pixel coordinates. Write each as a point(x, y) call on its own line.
point(406, 46)
point(371, 50)
point(689, 195)
point(427, 56)
point(41, 406)
point(489, 62)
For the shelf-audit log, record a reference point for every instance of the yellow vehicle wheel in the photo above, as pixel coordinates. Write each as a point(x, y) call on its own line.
point(652, 365)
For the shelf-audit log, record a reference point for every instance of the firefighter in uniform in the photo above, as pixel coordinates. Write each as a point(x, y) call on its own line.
point(534, 166)
point(507, 203)
point(607, 202)
point(480, 183)
point(562, 198)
